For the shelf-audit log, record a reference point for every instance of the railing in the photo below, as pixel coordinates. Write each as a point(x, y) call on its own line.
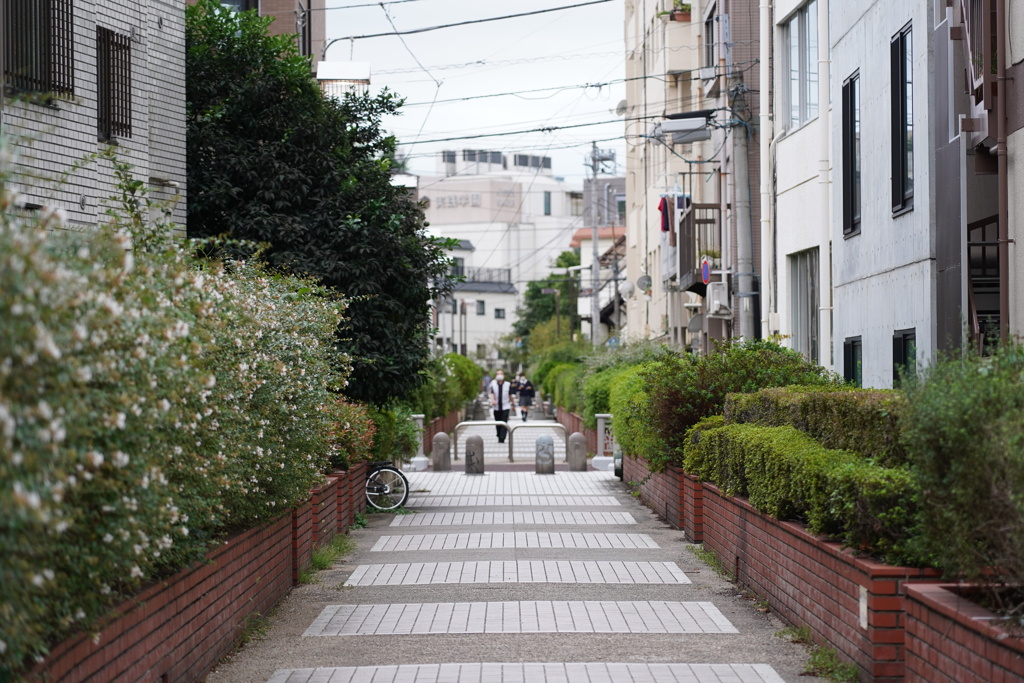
point(700, 235)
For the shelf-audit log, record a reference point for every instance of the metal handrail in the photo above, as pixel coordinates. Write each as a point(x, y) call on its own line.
point(511, 431)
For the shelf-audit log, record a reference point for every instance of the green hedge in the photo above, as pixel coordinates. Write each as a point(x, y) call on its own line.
point(567, 380)
point(568, 353)
point(630, 406)
point(789, 475)
point(596, 390)
point(865, 421)
point(451, 380)
point(684, 388)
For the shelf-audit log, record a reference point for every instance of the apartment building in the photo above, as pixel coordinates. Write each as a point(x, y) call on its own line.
point(693, 238)
point(80, 76)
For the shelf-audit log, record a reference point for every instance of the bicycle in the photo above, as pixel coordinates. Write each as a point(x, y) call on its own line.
point(386, 486)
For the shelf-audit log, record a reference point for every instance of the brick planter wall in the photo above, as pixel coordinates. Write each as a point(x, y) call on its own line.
point(662, 492)
point(344, 504)
point(574, 423)
point(324, 505)
point(438, 425)
point(951, 640)
point(302, 539)
point(857, 605)
point(693, 507)
point(178, 628)
point(357, 487)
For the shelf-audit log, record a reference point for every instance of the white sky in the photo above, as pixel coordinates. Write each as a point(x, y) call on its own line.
point(561, 51)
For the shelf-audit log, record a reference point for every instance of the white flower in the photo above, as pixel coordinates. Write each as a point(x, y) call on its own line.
point(210, 381)
point(94, 458)
point(48, 574)
point(107, 538)
point(135, 572)
point(164, 404)
point(38, 580)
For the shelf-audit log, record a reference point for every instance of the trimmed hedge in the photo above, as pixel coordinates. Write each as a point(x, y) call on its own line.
point(865, 421)
point(630, 405)
point(789, 475)
point(597, 388)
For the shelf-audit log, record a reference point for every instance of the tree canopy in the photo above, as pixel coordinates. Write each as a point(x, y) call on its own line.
point(538, 308)
point(273, 161)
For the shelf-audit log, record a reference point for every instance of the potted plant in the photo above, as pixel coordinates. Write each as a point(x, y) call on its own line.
point(680, 11)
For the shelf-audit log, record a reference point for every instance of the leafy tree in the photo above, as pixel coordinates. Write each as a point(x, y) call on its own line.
point(539, 308)
point(272, 161)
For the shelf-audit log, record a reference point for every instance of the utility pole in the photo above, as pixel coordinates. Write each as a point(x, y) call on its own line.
point(597, 157)
point(744, 237)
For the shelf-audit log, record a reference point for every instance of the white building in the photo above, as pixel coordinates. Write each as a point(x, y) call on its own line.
point(516, 213)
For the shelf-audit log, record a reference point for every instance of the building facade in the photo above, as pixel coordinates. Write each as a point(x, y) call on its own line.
point(83, 76)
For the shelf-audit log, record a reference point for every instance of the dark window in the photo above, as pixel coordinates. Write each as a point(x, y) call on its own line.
point(481, 307)
point(853, 361)
point(522, 160)
point(459, 267)
point(902, 72)
point(495, 157)
point(39, 46)
point(448, 157)
point(113, 84)
point(499, 312)
point(547, 203)
point(904, 355)
point(481, 350)
point(851, 156)
point(240, 5)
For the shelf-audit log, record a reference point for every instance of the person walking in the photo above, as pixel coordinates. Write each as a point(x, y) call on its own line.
point(526, 394)
point(501, 401)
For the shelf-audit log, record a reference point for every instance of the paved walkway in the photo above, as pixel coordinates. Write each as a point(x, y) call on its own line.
point(513, 576)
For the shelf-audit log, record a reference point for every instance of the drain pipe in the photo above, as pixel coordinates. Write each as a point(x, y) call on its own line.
point(767, 171)
point(825, 184)
point(1004, 199)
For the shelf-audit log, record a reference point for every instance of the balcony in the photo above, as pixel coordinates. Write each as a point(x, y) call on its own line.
point(979, 40)
point(700, 235)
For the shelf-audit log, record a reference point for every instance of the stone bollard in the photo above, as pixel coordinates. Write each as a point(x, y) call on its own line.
point(545, 446)
point(577, 452)
point(420, 461)
point(475, 455)
point(441, 453)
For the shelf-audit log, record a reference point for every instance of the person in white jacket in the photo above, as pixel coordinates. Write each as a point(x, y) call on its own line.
point(501, 402)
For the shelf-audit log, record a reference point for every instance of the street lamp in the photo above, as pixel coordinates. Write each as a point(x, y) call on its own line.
point(558, 308)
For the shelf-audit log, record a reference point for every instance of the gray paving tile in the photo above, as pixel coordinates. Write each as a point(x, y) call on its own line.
point(518, 571)
point(510, 501)
point(512, 518)
point(532, 672)
point(513, 539)
point(521, 617)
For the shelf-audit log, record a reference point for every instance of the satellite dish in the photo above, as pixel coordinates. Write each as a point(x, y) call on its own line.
point(621, 107)
point(643, 282)
point(696, 323)
point(626, 289)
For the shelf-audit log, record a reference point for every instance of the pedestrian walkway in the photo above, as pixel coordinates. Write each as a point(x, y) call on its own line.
point(522, 439)
point(513, 576)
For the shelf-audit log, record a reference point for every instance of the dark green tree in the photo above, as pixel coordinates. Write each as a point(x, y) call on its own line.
point(538, 307)
point(272, 161)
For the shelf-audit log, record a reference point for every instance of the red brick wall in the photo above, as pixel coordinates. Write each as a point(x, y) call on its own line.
point(344, 500)
point(325, 512)
point(809, 581)
point(302, 539)
point(574, 423)
point(693, 507)
point(662, 492)
point(180, 627)
point(950, 640)
point(357, 487)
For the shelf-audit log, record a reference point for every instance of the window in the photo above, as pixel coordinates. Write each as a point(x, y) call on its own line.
point(39, 46)
point(800, 56)
point(448, 157)
point(113, 84)
point(710, 52)
point(576, 203)
point(481, 307)
point(804, 300)
point(620, 208)
point(458, 267)
point(904, 355)
point(547, 203)
point(853, 361)
point(240, 5)
point(499, 313)
point(481, 350)
point(851, 155)
point(902, 72)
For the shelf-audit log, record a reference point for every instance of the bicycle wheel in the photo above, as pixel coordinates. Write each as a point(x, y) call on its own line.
point(387, 488)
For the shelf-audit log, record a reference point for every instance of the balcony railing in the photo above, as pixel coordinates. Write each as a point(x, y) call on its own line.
point(483, 274)
point(700, 235)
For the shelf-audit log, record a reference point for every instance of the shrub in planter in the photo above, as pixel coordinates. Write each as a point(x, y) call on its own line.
point(567, 353)
point(351, 434)
point(789, 475)
point(962, 432)
point(865, 421)
point(596, 392)
point(451, 380)
point(683, 388)
point(629, 403)
point(396, 435)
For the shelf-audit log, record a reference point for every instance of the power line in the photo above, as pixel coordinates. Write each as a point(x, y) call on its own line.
point(547, 129)
point(472, 21)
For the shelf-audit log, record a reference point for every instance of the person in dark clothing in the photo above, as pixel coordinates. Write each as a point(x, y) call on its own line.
point(526, 394)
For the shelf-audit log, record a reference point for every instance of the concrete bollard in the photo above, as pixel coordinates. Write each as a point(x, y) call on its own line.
point(577, 452)
point(441, 453)
point(475, 455)
point(545, 446)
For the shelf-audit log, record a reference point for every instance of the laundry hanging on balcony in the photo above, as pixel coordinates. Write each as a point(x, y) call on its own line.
point(668, 218)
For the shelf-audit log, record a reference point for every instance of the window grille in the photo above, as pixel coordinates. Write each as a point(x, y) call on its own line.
point(39, 46)
point(114, 84)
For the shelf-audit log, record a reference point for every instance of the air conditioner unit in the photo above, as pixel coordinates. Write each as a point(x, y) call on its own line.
point(708, 72)
point(716, 300)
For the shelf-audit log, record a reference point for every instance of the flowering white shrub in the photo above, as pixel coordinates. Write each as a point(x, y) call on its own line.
point(149, 403)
